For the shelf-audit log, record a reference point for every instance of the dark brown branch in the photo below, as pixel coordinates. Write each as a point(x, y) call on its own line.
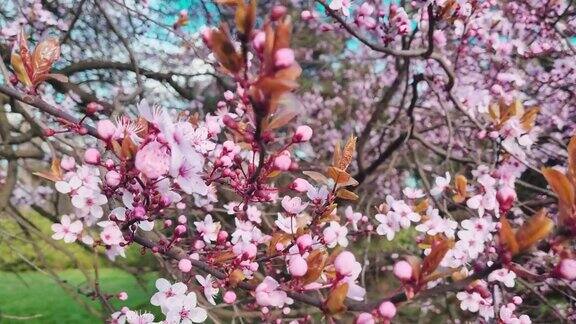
point(45, 107)
point(376, 47)
point(177, 254)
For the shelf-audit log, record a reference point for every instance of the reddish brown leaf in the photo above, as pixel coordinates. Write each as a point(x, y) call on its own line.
point(560, 185)
point(346, 194)
point(572, 160)
point(45, 54)
point(432, 260)
point(316, 176)
point(507, 237)
point(316, 263)
point(278, 237)
point(129, 149)
point(529, 118)
point(55, 173)
point(535, 229)
point(283, 34)
point(347, 153)
point(422, 206)
point(25, 52)
point(245, 16)
point(224, 50)
point(20, 69)
point(236, 277)
point(335, 302)
point(338, 175)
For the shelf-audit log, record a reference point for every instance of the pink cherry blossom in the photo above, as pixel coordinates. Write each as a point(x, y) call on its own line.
point(293, 205)
point(183, 309)
point(403, 270)
point(153, 160)
point(208, 229)
point(267, 293)
point(66, 229)
point(208, 286)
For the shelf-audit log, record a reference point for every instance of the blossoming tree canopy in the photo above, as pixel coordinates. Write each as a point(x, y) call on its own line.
point(354, 161)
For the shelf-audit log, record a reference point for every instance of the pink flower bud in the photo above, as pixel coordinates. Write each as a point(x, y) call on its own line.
point(199, 244)
point(481, 134)
point(517, 300)
point(222, 237)
point(303, 134)
point(566, 269)
point(365, 318)
point(300, 185)
point(297, 266)
point(153, 160)
point(105, 129)
point(282, 162)
point(113, 178)
point(229, 297)
point(122, 295)
point(278, 12)
point(182, 219)
point(92, 156)
point(387, 309)
point(207, 36)
point(306, 15)
point(93, 107)
point(304, 242)
point(283, 58)
point(343, 263)
point(185, 265)
point(228, 95)
point(68, 163)
point(403, 270)
point(179, 230)
point(139, 212)
point(258, 41)
point(506, 197)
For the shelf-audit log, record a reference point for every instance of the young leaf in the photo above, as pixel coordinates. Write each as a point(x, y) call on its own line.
point(245, 16)
point(534, 230)
point(507, 237)
point(572, 160)
point(316, 176)
point(55, 173)
point(335, 302)
point(283, 34)
point(347, 153)
point(224, 50)
point(529, 118)
point(45, 54)
point(560, 185)
point(236, 277)
point(20, 69)
point(460, 187)
point(338, 175)
point(316, 262)
point(346, 194)
point(432, 260)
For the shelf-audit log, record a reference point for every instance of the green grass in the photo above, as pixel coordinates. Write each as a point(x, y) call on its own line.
point(34, 297)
